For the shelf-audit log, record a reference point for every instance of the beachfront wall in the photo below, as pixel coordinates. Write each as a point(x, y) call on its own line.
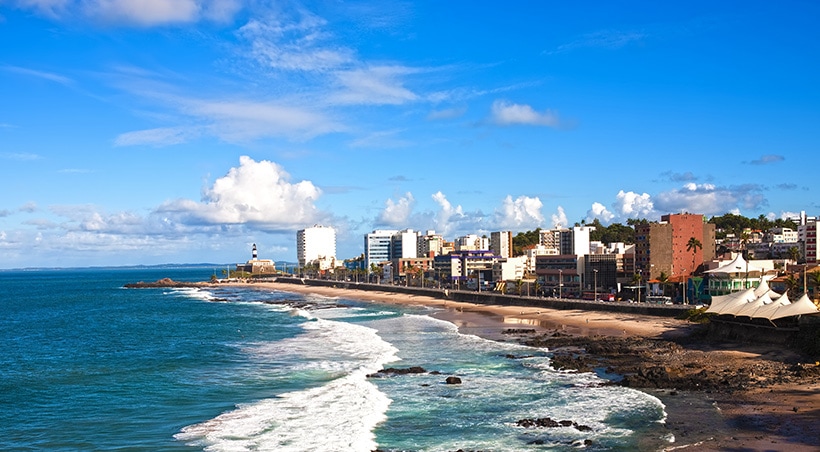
point(493, 298)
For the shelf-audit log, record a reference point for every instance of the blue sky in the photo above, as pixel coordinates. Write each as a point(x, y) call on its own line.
point(177, 131)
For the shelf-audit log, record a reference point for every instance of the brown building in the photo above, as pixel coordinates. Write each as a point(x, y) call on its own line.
point(662, 246)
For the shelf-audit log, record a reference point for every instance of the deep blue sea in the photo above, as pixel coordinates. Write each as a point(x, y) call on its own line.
point(88, 365)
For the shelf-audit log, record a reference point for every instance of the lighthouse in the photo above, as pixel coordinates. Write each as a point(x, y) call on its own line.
point(254, 252)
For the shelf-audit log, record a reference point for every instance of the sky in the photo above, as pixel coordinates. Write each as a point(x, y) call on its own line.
point(184, 131)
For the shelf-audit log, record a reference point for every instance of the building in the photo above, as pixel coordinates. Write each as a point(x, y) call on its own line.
point(501, 243)
point(377, 247)
point(461, 266)
point(560, 274)
point(573, 240)
point(807, 237)
point(509, 269)
point(472, 242)
point(429, 243)
point(256, 266)
point(316, 245)
point(663, 246)
point(404, 244)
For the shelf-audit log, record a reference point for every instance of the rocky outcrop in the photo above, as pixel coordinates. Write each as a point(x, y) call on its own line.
point(164, 282)
point(545, 422)
point(453, 381)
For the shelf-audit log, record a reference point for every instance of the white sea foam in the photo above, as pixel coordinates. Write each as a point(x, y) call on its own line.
point(193, 292)
point(339, 415)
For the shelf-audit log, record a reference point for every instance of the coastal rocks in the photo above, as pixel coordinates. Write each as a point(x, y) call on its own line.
point(399, 371)
point(453, 381)
point(546, 422)
point(164, 282)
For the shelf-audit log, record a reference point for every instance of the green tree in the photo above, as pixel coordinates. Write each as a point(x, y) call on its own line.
point(525, 239)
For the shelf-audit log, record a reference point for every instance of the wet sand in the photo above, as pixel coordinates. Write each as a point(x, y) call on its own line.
point(766, 418)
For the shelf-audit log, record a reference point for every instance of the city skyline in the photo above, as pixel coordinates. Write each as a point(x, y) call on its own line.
point(184, 131)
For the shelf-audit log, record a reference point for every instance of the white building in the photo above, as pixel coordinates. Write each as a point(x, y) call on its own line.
point(404, 244)
point(316, 244)
point(510, 269)
point(530, 255)
point(430, 243)
point(377, 247)
point(472, 242)
point(501, 243)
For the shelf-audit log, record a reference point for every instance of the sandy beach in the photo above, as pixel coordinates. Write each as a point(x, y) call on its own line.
point(771, 396)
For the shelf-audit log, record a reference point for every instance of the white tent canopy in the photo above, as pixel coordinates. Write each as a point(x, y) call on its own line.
point(764, 305)
point(737, 265)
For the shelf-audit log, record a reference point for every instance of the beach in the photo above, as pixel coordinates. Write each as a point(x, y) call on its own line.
point(719, 396)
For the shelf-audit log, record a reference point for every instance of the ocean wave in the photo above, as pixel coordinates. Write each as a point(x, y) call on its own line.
point(339, 415)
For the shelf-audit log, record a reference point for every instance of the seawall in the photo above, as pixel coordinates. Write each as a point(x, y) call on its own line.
point(495, 298)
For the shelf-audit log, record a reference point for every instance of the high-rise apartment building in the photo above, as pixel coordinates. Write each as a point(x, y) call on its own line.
point(664, 246)
point(501, 243)
point(316, 244)
point(377, 247)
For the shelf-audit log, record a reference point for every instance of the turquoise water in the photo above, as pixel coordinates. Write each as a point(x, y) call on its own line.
point(88, 365)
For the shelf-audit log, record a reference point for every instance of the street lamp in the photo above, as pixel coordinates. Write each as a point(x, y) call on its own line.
point(560, 283)
point(595, 273)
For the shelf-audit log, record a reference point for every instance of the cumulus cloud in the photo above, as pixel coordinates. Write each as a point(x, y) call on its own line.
point(633, 205)
point(523, 212)
point(257, 193)
point(710, 199)
point(600, 212)
point(448, 216)
point(397, 213)
point(559, 218)
point(505, 113)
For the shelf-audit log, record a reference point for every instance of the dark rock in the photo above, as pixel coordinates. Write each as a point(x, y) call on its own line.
point(453, 381)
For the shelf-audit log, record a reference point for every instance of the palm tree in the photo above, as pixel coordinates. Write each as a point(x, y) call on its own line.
point(663, 278)
point(694, 245)
point(815, 281)
point(636, 281)
point(794, 253)
point(792, 283)
point(519, 284)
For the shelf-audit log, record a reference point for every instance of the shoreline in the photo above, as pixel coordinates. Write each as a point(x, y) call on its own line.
point(764, 413)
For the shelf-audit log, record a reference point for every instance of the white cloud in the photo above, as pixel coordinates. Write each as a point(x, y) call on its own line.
point(162, 136)
point(606, 39)
point(523, 212)
point(505, 113)
point(600, 212)
point(374, 85)
point(144, 13)
point(447, 214)
point(559, 218)
point(633, 205)
point(299, 45)
point(50, 76)
point(397, 213)
point(709, 199)
point(257, 193)
point(237, 121)
point(447, 113)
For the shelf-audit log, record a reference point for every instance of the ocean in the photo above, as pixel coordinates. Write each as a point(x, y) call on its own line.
point(89, 365)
